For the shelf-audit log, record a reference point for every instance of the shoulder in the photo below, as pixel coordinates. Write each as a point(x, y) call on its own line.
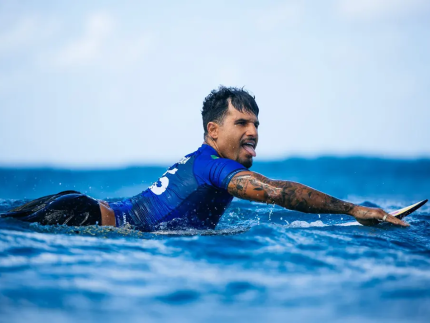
point(213, 170)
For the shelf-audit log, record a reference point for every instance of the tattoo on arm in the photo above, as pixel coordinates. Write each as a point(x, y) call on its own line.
point(291, 195)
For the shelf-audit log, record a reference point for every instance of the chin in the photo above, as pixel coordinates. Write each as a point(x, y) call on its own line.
point(246, 162)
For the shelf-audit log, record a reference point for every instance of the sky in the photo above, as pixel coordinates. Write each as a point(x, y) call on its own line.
point(118, 83)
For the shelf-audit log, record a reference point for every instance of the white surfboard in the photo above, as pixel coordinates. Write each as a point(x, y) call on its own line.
point(408, 210)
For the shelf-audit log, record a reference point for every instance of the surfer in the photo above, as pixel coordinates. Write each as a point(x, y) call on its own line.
point(196, 191)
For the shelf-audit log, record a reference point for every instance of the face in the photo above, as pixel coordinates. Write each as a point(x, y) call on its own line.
point(237, 137)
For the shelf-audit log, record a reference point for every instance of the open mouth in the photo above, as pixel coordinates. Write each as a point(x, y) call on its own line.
point(249, 146)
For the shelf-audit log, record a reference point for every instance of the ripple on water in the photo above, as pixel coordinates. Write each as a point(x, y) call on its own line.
point(256, 260)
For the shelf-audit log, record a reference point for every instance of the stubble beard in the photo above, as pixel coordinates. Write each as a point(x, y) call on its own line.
point(247, 162)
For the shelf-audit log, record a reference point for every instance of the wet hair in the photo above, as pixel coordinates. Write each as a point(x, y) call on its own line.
point(215, 105)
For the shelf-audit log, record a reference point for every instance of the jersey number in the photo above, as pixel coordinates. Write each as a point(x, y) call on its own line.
point(164, 181)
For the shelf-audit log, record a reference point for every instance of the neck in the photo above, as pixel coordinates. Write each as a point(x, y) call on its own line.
point(211, 142)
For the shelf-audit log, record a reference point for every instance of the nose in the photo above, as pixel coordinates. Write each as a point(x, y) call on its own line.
point(252, 130)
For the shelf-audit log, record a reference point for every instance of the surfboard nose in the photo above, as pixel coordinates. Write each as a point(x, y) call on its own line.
point(408, 210)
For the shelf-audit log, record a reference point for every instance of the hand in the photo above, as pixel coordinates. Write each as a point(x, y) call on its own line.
point(373, 216)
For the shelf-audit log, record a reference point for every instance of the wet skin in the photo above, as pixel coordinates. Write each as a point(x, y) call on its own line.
point(108, 215)
point(228, 138)
point(295, 196)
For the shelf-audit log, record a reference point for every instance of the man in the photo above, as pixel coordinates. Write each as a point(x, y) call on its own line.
point(196, 191)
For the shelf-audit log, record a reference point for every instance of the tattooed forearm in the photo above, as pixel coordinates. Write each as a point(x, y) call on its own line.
point(291, 195)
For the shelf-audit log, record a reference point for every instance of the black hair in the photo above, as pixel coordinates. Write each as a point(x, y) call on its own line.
point(215, 105)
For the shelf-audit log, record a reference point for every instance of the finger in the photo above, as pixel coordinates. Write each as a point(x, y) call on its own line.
point(396, 221)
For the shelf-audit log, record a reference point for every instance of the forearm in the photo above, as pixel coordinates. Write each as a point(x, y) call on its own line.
point(291, 195)
point(299, 197)
point(294, 196)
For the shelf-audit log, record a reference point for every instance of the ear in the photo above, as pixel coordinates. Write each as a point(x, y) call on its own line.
point(213, 129)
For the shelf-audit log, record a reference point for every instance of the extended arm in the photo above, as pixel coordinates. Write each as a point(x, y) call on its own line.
point(295, 196)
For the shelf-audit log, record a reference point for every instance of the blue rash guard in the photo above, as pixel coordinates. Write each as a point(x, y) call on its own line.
point(191, 193)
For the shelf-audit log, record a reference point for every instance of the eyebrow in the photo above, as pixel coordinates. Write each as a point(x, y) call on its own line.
point(247, 120)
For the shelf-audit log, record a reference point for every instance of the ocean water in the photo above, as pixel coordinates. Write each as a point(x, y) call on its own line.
point(261, 264)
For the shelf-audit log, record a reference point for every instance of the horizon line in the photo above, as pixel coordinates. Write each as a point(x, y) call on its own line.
point(119, 166)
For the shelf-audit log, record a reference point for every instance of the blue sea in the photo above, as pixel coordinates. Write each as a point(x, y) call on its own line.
point(261, 264)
